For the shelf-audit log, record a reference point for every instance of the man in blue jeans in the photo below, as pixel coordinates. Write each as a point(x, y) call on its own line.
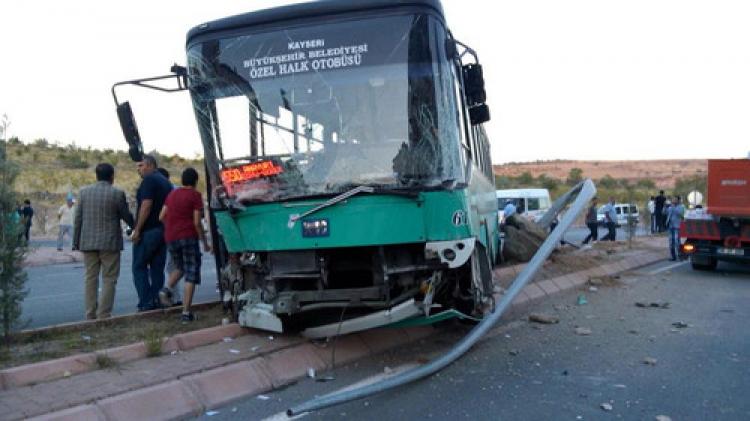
point(149, 249)
point(675, 214)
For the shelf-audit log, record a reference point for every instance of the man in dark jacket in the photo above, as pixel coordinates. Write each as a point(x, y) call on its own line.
point(659, 210)
point(97, 233)
point(592, 223)
point(149, 248)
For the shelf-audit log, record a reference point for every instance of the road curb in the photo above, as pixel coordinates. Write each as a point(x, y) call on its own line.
point(45, 371)
point(215, 387)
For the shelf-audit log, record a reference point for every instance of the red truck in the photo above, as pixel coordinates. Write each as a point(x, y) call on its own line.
point(722, 230)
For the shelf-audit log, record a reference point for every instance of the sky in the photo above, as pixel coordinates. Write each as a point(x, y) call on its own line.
point(576, 79)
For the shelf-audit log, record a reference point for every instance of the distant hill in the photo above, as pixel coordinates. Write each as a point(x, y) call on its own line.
point(49, 171)
point(663, 172)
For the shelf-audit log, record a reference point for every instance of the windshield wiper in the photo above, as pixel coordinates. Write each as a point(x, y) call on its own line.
point(343, 196)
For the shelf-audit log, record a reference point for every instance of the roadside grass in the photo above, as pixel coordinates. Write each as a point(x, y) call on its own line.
point(104, 361)
point(51, 344)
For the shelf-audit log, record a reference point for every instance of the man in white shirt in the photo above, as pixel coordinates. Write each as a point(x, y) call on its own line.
point(652, 211)
point(65, 214)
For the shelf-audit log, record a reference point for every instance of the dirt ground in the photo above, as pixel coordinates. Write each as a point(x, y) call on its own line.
point(567, 259)
point(51, 344)
point(663, 172)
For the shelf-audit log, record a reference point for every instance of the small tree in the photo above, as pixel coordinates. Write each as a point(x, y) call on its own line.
point(12, 251)
point(575, 176)
point(608, 182)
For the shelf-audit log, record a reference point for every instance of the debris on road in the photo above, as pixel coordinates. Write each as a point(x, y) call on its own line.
point(680, 325)
point(649, 361)
point(581, 300)
point(656, 304)
point(543, 318)
point(234, 351)
point(227, 339)
point(513, 352)
point(593, 289)
point(663, 418)
point(263, 397)
point(311, 372)
point(606, 406)
point(583, 331)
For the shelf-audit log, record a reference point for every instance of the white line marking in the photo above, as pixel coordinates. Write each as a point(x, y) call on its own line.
point(673, 265)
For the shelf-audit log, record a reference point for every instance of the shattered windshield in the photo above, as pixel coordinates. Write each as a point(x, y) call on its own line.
point(318, 109)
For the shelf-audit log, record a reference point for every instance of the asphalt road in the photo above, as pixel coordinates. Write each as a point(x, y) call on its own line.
point(56, 291)
point(528, 371)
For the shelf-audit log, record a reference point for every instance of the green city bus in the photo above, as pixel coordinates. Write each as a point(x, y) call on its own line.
point(348, 171)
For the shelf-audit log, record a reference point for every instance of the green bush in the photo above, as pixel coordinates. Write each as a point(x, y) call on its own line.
point(12, 251)
point(72, 160)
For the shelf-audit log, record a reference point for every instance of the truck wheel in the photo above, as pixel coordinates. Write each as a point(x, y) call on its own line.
point(708, 264)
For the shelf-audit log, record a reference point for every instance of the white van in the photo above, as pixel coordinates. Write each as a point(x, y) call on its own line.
point(531, 203)
point(622, 210)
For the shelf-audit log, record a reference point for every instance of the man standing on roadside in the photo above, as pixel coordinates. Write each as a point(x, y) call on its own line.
point(659, 209)
point(97, 233)
point(674, 215)
point(27, 215)
point(610, 218)
point(652, 212)
point(592, 223)
point(65, 215)
point(149, 249)
point(182, 214)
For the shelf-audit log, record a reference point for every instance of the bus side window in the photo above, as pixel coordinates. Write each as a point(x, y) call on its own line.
point(458, 92)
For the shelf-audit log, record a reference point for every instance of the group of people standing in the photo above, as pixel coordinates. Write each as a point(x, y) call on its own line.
point(667, 215)
point(168, 219)
point(592, 222)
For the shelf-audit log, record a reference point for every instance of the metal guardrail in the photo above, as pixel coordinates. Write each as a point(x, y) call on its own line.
point(585, 192)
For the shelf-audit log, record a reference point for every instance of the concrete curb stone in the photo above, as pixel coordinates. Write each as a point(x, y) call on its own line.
point(291, 363)
point(348, 348)
point(125, 353)
point(223, 385)
point(201, 337)
point(77, 413)
point(548, 287)
point(47, 370)
point(165, 401)
point(534, 292)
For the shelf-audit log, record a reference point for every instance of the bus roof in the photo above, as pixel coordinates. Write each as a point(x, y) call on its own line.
point(512, 193)
point(310, 9)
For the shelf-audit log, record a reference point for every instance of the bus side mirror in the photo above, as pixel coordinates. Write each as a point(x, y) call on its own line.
point(479, 114)
point(130, 131)
point(474, 84)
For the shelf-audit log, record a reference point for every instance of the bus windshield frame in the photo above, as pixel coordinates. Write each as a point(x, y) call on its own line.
point(316, 109)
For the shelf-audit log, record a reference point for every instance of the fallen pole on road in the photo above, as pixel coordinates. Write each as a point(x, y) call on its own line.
point(585, 192)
